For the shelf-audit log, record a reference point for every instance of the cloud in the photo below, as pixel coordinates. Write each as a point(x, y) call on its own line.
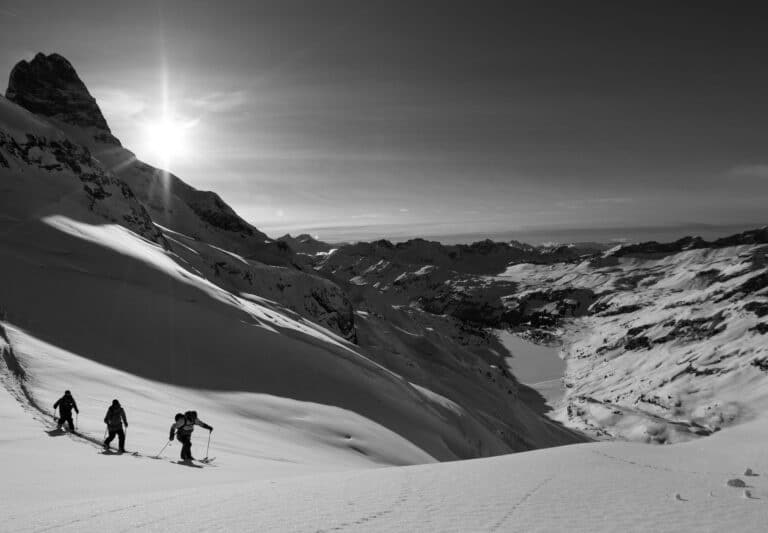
point(612, 200)
point(118, 102)
point(749, 171)
point(584, 203)
point(219, 101)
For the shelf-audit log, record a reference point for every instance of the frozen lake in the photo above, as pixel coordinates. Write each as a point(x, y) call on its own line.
point(535, 365)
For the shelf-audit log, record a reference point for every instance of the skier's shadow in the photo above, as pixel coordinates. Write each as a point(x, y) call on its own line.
point(57, 432)
point(190, 465)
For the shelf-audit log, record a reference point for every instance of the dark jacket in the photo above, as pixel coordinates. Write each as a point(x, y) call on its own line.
point(115, 417)
point(65, 404)
point(186, 425)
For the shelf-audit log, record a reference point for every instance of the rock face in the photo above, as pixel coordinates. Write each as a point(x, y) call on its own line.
point(479, 258)
point(457, 280)
point(305, 244)
point(46, 174)
point(655, 249)
point(100, 192)
point(49, 86)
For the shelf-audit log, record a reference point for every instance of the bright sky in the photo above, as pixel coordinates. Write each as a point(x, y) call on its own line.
point(430, 117)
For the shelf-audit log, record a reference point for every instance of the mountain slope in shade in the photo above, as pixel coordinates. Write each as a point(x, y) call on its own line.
point(305, 244)
point(76, 272)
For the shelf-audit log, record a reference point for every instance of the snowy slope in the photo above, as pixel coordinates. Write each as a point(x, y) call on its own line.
point(103, 293)
point(64, 484)
point(665, 346)
point(255, 432)
point(84, 267)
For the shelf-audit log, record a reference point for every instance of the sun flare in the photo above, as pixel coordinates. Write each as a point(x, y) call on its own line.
point(167, 138)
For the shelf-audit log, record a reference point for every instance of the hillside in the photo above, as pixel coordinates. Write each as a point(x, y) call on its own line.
point(662, 341)
point(86, 266)
point(296, 477)
point(670, 340)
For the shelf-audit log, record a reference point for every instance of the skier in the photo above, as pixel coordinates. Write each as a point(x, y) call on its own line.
point(114, 419)
point(65, 404)
point(183, 428)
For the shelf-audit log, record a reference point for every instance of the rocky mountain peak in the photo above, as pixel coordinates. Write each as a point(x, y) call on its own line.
point(49, 86)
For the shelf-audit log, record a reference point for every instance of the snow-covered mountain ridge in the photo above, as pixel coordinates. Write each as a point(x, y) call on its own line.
point(663, 341)
point(672, 343)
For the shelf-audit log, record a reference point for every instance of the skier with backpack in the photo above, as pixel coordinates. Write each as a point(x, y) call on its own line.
point(114, 419)
point(183, 427)
point(65, 404)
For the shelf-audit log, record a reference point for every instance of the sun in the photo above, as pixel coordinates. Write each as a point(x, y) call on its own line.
point(167, 138)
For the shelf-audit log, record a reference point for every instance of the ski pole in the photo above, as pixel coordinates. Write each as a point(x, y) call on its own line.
point(77, 419)
point(164, 447)
point(209, 443)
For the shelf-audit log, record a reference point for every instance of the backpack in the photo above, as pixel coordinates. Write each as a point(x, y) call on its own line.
point(114, 416)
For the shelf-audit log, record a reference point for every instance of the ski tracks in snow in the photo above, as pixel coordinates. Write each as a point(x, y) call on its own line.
point(498, 524)
point(390, 499)
point(403, 496)
point(657, 467)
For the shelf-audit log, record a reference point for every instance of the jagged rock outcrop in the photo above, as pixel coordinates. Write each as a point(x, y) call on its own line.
point(50, 87)
point(656, 249)
point(305, 244)
point(457, 280)
point(480, 258)
point(44, 169)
